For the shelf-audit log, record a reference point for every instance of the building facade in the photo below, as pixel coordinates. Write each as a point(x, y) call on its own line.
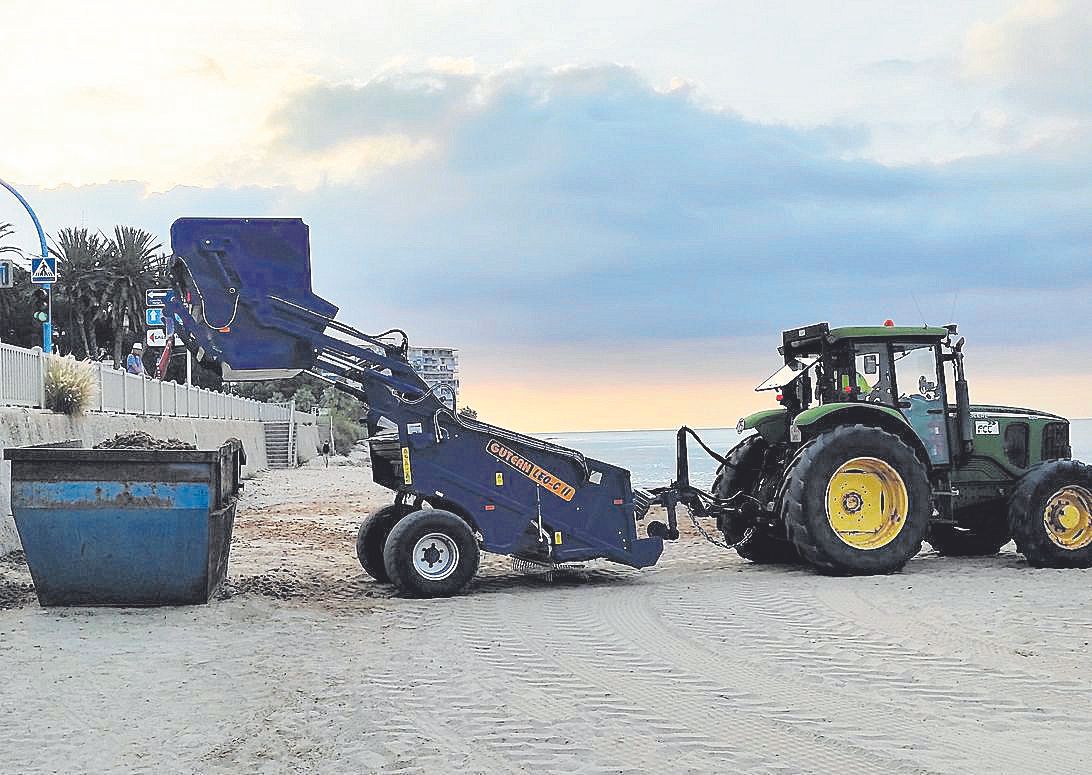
point(439, 368)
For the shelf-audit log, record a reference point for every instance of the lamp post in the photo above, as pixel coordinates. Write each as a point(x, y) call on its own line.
point(47, 326)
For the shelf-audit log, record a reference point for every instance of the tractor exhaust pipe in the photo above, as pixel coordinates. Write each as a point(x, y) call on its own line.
point(963, 400)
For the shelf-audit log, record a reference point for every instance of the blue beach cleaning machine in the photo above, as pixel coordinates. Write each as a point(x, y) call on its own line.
point(243, 303)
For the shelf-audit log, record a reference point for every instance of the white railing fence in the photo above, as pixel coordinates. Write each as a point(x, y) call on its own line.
point(22, 383)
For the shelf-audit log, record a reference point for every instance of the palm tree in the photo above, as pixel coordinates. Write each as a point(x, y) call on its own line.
point(10, 298)
point(132, 267)
point(81, 286)
point(6, 230)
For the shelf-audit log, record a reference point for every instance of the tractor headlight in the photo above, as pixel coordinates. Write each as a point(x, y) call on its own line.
point(794, 434)
point(740, 426)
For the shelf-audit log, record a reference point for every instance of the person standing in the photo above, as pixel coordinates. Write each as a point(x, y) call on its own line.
point(134, 364)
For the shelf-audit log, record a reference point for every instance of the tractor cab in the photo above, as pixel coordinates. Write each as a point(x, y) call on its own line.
point(896, 372)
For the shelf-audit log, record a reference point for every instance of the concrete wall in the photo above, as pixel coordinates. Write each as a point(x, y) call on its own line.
point(307, 442)
point(19, 427)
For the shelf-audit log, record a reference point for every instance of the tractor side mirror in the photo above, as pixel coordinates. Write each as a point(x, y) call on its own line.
point(959, 345)
point(871, 363)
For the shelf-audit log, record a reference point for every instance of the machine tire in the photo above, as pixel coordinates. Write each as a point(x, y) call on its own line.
point(741, 473)
point(804, 500)
point(765, 548)
point(371, 538)
point(990, 533)
point(1035, 496)
point(448, 548)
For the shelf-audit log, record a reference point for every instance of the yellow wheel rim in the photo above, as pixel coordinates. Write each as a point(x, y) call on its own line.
point(867, 503)
point(1068, 518)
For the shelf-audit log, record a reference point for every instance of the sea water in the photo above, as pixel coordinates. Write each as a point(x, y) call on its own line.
point(650, 455)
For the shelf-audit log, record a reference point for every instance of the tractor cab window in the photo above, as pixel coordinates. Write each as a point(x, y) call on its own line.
point(873, 380)
point(861, 373)
point(921, 398)
point(950, 380)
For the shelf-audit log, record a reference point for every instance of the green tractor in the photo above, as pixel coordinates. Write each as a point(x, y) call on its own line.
point(876, 447)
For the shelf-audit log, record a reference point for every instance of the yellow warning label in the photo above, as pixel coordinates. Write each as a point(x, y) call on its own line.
point(406, 474)
point(557, 539)
point(500, 479)
point(535, 473)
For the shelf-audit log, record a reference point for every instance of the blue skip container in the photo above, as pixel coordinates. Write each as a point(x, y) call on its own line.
point(125, 527)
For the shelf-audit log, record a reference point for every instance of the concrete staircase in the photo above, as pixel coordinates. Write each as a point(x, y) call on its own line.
point(280, 444)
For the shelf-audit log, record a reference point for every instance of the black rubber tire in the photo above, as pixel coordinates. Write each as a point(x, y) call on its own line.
point(398, 553)
point(1026, 507)
point(804, 510)
point(989, 533)
point(742, 472)
point(765, 548)
point(371, 538)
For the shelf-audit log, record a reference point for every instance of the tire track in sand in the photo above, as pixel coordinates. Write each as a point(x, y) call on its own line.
point(704, 717)
point(795, 646)
point(860, 720)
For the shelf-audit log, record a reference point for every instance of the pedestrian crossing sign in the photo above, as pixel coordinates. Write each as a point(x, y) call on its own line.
point(43, 270)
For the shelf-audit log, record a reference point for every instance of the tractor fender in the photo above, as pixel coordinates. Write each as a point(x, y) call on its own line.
point(811, 422)
point(770, 424)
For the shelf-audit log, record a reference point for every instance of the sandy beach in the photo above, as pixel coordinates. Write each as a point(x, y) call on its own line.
point(705, 663)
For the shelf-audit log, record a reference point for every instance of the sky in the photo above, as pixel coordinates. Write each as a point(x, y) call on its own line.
point(612, 212)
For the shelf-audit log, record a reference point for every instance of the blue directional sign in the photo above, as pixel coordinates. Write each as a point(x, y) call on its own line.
point(158, 297)
point(7, 277)
point(43, 270)
point(153, 316)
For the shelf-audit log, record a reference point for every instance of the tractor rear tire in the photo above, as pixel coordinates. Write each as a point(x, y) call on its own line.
point(371, 538)
point(990, 532)
point(877, 474)
point(1050, 513)
point(742, 472)
point(431, 553)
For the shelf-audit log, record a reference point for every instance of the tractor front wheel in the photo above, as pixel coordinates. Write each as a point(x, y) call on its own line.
point(1050, 513)
point(742, 472)
point(856, 500)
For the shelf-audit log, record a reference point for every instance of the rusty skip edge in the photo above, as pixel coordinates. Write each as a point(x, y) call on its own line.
point(115, 495)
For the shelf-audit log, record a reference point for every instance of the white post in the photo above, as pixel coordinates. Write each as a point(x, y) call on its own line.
point(292, 458)
point(41, 377)
point(189, 367)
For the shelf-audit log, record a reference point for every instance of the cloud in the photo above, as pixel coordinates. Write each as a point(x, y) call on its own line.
point(325, 115)
point(1039, 52)
point(581, 209)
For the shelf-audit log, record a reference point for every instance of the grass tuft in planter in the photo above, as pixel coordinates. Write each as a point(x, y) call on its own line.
point(70, 386)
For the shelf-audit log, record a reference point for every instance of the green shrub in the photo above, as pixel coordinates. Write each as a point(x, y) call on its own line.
point(346, 433)
point(70, 386)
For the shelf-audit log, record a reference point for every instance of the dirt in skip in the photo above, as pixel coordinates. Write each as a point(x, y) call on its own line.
point(142, 440)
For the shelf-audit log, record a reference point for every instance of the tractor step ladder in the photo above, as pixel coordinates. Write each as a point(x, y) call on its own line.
point(280, 444)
